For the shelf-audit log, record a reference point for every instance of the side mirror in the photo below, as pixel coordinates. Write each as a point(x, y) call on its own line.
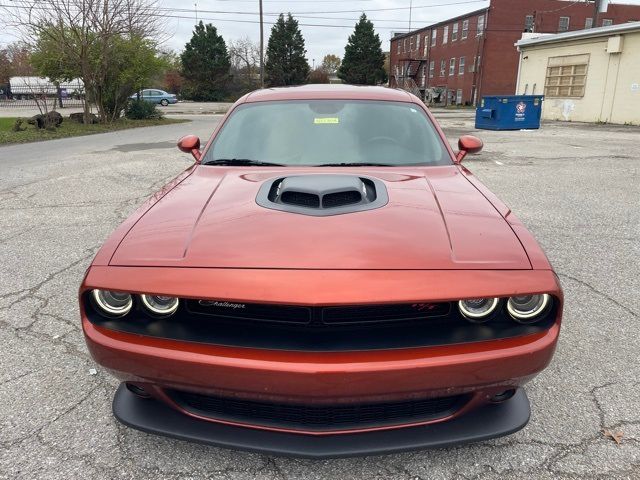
point(467, 144)
point(190, 144)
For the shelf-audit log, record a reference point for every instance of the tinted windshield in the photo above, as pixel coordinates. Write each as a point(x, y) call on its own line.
point(321, 132)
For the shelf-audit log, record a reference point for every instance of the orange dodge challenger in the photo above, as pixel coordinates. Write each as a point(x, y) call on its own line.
point(326, 280)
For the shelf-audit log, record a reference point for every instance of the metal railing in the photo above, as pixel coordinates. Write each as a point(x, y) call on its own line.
point(30, 92)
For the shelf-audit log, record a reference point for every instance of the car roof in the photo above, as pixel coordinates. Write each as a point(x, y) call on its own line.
point(329, 92)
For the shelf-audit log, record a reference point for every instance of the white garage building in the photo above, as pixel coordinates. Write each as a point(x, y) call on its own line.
point(590, 75)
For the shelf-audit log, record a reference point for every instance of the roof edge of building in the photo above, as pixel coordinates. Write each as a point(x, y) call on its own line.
point(438, 24)
point(579, 34)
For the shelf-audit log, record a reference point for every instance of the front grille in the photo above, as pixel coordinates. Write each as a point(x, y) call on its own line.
point(318, 417)
point(347, 315)
point(383, 313)
point(251, 311)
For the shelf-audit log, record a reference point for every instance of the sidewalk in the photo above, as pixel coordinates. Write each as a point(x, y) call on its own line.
point(180, 108)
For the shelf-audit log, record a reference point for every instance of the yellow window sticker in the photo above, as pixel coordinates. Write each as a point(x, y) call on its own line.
point(326, 120)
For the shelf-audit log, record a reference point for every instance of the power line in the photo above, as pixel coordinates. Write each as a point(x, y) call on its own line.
point(187, 10)
point(295, 13)
point(210, 19)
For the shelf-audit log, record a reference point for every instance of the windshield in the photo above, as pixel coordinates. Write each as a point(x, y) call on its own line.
point(326, 133)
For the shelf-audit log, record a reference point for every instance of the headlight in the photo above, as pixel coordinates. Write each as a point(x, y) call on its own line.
point(112, 304)
point(478, 309)
point(526, 308)
point(160, 304)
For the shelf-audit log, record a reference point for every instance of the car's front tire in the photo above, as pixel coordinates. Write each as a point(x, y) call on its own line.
point(164, 102)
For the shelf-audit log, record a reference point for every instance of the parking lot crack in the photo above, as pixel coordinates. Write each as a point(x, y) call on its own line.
point(601, 293)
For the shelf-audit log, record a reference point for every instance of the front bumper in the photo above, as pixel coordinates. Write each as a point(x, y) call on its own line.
point(479, 370)
point(489, 421)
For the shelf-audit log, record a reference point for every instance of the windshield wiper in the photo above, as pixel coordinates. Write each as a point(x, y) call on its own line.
point(355, 164)
point(242, 162)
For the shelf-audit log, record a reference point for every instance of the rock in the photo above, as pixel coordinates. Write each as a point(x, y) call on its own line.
point(79, 118)
point(49, 119)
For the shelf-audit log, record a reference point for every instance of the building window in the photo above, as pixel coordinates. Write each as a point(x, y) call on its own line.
point(461, 66)
point(452, 67)
point(432, 68)
point(566, 76)
point(445, 34)
point(459, 97)
point(443, 66)
point(563, 24)
point(480, 25)
point(588, 23)
point(397, 71)
point(465, 29)
point(607, 22)
point(404, 46)
point(411, 43)
point(454, 32)
point(399, 47)
point(528, 23)
point(418, 42)
point(434, 37)
point(423, 74)
point(426, 43)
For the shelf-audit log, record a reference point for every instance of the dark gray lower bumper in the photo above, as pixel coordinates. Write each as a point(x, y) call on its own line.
point(490, 421)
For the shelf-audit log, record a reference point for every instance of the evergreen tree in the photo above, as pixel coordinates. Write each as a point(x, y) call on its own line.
point(286, 61)
point(363, 62)
point(205, 64)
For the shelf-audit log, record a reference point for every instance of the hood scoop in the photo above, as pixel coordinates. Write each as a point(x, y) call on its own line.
point(322, 195)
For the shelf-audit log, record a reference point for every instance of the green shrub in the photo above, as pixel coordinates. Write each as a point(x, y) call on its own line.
point(18, 126)
point(141, 110)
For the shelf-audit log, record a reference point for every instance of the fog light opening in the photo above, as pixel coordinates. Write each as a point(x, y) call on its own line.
point(503, 396)
point(137, 390)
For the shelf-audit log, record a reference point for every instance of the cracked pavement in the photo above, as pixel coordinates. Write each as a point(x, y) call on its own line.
point(576, 187)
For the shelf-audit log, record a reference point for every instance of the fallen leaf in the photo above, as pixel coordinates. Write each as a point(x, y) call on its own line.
point(615, 436)
point(93, 371)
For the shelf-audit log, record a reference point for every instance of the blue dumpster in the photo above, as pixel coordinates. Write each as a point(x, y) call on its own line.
point(509, 112)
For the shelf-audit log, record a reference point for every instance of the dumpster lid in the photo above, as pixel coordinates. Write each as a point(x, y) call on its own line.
point(514, 98)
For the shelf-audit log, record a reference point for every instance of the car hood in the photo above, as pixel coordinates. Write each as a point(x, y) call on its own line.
point(434, 219)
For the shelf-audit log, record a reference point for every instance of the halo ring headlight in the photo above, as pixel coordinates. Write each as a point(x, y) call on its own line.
point(162, 305)
point(478, 309)
point(112, 303)
point(526, 308)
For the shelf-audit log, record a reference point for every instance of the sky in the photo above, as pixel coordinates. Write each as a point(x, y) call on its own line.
point(325, 24)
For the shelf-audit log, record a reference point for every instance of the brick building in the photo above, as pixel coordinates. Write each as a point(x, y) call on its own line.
point(460, 59)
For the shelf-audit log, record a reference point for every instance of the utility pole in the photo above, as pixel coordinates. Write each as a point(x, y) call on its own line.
point(195, 6)
point(410, 11)
point(261, 48)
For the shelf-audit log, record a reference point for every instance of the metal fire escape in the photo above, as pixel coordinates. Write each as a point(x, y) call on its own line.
point(410, 68)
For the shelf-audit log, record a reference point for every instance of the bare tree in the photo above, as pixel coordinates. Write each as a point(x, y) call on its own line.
point(80, 35)
point(245, 57)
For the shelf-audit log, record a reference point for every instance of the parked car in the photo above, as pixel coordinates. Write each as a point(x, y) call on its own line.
point(326, 280)
point(156, 96)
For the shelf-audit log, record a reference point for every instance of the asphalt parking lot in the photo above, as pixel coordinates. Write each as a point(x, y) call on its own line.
point(577, 187)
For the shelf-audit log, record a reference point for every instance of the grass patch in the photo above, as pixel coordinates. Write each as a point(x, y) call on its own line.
point(70, 129)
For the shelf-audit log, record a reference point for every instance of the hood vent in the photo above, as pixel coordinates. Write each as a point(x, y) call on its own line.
point(322, 195)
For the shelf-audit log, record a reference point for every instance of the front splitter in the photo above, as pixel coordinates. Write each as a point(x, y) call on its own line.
point(490, 421)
